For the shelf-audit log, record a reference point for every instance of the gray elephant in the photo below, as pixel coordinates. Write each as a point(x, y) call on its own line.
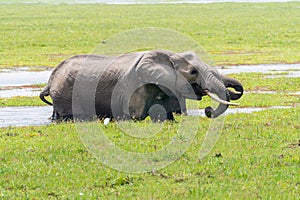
point(136, 85)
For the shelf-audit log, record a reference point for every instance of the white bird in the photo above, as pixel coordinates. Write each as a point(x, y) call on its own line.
point(106, 121)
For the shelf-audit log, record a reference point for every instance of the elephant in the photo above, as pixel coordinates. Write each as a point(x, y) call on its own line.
point(135, 85)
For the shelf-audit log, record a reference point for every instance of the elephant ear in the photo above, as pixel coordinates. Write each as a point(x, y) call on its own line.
point(164, 69)
point(157, 67)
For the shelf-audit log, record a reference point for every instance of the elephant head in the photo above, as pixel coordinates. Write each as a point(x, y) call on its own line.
point(187, 76)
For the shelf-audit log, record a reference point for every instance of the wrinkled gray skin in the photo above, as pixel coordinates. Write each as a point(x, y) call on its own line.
point(135, 85)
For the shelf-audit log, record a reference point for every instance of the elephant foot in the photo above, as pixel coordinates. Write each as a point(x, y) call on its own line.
point(57, 118)
point(170, 116)
point(67, 118)
point(158, 113)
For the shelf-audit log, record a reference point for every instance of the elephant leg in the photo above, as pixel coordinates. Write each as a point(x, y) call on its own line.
point(158, 113)
point(55, 116)
point(170, 116)
point(163, 109)
point(178, 106)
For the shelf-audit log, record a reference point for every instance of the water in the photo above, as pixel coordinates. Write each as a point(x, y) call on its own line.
point(25, 116)
point(20, 78)
point(39, 115)
point(292, 70)
point(28, 92)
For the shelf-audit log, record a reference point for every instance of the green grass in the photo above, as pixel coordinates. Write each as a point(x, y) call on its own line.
point(257, 81)
point(232, 33)
point(256, 155)
point(21, 101)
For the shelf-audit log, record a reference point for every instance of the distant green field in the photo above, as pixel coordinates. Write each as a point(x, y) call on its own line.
point(232, 33)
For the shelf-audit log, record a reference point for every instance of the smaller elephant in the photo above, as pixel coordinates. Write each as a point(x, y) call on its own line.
point(136, 85)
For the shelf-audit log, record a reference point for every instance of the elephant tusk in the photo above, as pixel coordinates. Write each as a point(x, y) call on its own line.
point(217, 99)
point(235, 92)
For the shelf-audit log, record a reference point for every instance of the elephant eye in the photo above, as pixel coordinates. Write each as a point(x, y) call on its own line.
point(194, 71)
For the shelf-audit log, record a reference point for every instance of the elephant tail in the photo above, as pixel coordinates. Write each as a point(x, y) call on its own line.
point(45, 93)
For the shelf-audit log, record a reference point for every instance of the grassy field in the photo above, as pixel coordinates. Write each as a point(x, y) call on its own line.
point(43, 35)
point(257, 155)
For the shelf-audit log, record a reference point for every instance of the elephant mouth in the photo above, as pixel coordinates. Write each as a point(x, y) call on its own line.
point(203, 92)
point(198, 91)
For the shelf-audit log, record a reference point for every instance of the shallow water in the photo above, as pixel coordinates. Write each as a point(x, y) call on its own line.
point(28, 92)
point(272, 92)
point(25, 116)
point(39, 115)
point(292, 70)
point(19, 78)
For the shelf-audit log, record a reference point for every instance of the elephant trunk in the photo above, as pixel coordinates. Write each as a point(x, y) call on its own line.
point(236, 85)
point(211, 113)
point(218, 92)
